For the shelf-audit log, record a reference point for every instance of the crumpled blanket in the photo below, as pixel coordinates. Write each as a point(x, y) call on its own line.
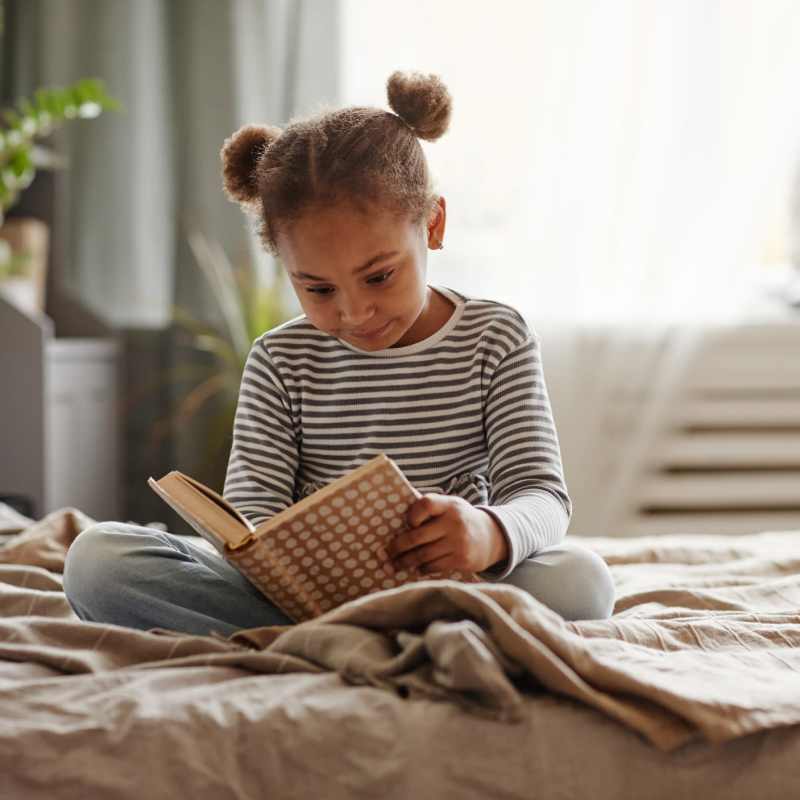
point(704, 641)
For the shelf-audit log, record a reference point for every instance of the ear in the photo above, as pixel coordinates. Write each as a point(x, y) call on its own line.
point(436, 223)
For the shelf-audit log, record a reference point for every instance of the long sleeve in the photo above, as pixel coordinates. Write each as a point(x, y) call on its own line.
point(463, 412)
point(263, 462)
point(529, 496)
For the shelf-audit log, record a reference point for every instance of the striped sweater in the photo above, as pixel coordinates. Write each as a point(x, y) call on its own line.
point(464, 412)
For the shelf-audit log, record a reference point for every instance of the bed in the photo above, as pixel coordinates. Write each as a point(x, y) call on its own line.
point(691, 689)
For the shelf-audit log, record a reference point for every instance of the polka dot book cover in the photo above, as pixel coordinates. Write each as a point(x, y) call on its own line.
point(324, 550)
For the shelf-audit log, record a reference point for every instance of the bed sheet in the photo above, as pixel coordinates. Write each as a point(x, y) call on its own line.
point(691, 687)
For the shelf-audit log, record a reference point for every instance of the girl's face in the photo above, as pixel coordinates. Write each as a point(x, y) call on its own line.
point(361, 276)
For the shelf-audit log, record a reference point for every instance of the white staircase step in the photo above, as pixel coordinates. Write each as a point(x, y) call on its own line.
point(759, 450)
point(732, 524)
point(715, 413)
point(731, 490)
point(732, 376)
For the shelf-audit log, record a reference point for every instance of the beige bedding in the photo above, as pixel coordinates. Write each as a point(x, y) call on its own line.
point(440, 688)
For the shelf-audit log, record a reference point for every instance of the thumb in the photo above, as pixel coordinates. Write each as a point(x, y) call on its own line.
point(427, 506)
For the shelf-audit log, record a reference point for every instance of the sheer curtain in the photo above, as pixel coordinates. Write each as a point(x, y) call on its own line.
point(611, 171)
point(189, 73)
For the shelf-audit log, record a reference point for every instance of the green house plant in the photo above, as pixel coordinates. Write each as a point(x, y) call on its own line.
point(211, 358)
point(24, 240)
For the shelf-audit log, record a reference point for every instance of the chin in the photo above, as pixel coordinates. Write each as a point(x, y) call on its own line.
point(379, 345)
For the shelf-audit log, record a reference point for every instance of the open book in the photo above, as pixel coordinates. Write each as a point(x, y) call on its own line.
point(318, 553)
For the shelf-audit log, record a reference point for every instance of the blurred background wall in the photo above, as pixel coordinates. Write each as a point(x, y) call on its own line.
point(624, 173)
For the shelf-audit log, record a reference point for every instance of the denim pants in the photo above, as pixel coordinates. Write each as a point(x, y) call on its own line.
point(141, 577)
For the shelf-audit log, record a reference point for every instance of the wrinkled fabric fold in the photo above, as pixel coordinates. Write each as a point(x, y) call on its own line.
point(705, 641)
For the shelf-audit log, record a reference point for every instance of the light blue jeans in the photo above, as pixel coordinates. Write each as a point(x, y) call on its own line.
point(141, 577)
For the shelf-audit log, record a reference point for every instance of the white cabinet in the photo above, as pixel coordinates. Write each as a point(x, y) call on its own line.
point(60, 435)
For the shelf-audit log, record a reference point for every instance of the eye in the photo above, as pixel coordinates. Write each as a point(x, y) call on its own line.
point(373, 280)
point(384, 275)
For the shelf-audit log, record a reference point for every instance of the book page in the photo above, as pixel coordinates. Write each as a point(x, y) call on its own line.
point(191, 518)
point(218, 500)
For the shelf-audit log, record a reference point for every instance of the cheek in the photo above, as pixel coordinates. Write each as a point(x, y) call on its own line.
point(322, 317)
point(315, 314)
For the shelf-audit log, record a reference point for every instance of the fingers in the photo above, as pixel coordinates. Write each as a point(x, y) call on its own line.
point(411, 538)
point(444, 564)
point(425, 558)
point(417, 516)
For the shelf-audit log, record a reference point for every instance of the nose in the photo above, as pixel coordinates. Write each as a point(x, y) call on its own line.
point(356, 313)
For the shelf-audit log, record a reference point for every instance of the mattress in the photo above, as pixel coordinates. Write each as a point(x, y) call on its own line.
point(691, 688)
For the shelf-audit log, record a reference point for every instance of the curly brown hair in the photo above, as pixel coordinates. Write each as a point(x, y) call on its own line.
point(356, 154)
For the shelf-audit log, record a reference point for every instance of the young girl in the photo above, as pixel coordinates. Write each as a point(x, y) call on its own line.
point(449, 386)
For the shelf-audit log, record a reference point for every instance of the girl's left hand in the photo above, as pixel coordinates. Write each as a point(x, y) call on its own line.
point(447, 533)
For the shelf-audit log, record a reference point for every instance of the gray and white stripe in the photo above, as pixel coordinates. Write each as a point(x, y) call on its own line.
point(464, 412)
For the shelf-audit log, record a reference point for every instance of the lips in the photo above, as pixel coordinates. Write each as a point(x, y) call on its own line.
point(368, 334)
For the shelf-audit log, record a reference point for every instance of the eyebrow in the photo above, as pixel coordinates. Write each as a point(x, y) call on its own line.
point(369, 263)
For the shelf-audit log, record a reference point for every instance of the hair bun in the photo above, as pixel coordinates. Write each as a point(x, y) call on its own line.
point(240, 155)
point(421, 101)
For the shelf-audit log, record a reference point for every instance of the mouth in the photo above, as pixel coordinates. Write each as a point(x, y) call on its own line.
point(374, 334)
